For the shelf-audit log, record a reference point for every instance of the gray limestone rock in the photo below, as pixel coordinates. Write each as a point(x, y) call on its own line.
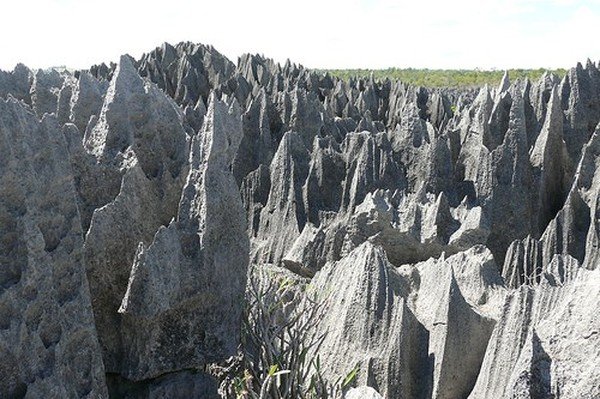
point(254, 190)
point(582, 109)
point(473, 128)
point(137, 117)
point(422, 151)
point(531, 375)
point(257, 146)
point(370, 165)
point(414, 227)
point(187, 72)
point(301, 257)
point(363, 392)
point(16, 83)
point(139, 135)
point(316, 246)
point(458, 339)
point(505, 186)
point(523, 263)
point(96, 183)
point(63, 103)
point(86, 100)
point(44, 91)
point(533, 350)
point(476, 276)
point(178, 385)
point(382, 193)
point(323, 187)
point(305, 116)
point(284, 215)
point(573, 231)
point(456, 299)
point(48, 341)
point(369, 324)
point(551, 165)
point(182, 308)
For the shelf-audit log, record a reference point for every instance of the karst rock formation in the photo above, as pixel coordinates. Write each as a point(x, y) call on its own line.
point(452, 235)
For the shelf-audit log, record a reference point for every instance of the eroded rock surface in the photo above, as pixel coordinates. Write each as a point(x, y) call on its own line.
point(48, 341)
point(369, 324)
point(451, 234)
point(183, 304)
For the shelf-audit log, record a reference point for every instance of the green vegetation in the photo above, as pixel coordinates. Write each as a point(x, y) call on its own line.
point(443, 77)
point(279, 353)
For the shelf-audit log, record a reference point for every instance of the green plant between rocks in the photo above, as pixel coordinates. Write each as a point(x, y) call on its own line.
point(279, 357)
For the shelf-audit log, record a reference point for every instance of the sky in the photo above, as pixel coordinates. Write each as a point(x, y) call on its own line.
point(369, 34)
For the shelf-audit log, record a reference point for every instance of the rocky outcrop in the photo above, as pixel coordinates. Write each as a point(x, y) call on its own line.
point(523, 263)
point(531, 350)
point(44, 92)
point(186, 384)
point(284, 215)
point(369, 325)
point(370, 165)
point(580, 101)
point(257, 143)
point(504, 188)
point(475, 273)
point(96, 183)
point(363, 392)
point(455, 327)
point(86, 100)
point(456, 299)
point(48, 341)
point(571, 232)
point(365, 295)
point(450, 234)
point(136, 115)
point(17, 83)
point(410, 227)
point(415, 227)
point(551, 165)
point(140, 134)
point(182, 308)
point(188, 71)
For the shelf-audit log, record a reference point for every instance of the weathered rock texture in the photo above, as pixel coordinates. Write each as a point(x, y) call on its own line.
point(182, 307)
point(370, 325)
point(48, 341)
point(129, 191)
point(452, 235)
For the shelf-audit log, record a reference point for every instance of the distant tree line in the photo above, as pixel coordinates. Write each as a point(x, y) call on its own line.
point(443, 77)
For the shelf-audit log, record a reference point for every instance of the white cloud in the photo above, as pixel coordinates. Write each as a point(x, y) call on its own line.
point(317, 33)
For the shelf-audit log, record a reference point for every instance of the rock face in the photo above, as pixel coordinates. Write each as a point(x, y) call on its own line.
point(451, 234)
point(456, 326)
point(456, 300)
point(532, 350)
point(369, 324)
point(16, 83)
point(139, 133)
point(363, 392)
point(165, 247)
point(183, 304)
point(48, 341)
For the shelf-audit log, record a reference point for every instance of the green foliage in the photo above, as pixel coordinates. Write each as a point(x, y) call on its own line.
point(280, 345)
point(350, 377)
point(442, 77)
point(273, 369)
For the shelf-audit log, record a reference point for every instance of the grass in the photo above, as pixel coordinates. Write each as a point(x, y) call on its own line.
point(443, 77)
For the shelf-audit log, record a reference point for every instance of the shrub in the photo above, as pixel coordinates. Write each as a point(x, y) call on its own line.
point(280, 343)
